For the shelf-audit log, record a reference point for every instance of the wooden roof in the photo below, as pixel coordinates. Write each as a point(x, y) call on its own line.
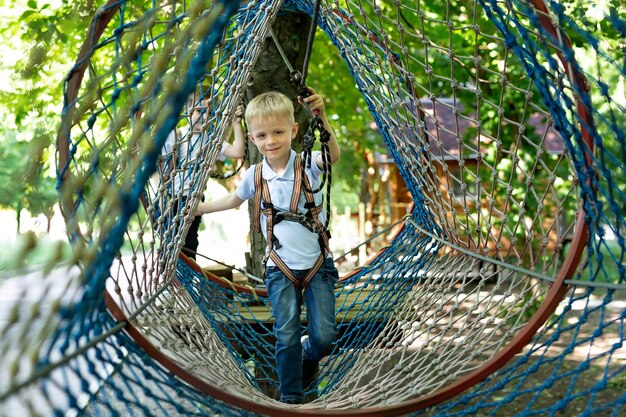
point(453, 123)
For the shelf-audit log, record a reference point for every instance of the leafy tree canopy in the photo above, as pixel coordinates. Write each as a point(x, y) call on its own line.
point(52, 31)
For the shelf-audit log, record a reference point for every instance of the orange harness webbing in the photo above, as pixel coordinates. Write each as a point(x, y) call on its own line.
point(262, 195)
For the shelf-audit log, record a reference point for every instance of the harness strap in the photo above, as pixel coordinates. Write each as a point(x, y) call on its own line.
point(258, 183)
point(297, 184)
point(263, 205)
point(312, 210)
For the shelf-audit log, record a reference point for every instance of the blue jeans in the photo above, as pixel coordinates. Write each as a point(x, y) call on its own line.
point(319, 298)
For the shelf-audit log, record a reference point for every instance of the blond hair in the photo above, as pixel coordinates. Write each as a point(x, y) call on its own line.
point(268, 105)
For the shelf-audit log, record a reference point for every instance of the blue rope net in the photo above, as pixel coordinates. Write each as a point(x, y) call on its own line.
point(509, 268)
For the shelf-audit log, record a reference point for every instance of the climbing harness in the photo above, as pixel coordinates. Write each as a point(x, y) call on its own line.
point(262, 199)
point(309, 220)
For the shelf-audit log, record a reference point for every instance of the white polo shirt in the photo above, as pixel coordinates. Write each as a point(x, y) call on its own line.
point(300, 247)
point(187, 149)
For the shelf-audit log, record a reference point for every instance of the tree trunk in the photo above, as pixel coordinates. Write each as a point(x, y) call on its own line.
point(272, 74)
point(18, 217)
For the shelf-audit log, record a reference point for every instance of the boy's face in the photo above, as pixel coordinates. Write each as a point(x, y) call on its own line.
point(272, 136)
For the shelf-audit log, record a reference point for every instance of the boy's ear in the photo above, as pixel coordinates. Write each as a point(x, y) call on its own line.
point(294, 130)
point(250, 137)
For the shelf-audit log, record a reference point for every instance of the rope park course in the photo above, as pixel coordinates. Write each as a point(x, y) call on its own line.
point(471, 299)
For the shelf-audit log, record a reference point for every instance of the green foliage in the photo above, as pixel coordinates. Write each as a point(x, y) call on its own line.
point(331, 75)
point(540, 184)
point(23, 166)
point(30, 250)
point(349, 115)
point(12, 165)
point(51, 34)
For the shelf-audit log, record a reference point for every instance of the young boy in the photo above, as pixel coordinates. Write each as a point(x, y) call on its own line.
point(297, 259)
point(180, 156)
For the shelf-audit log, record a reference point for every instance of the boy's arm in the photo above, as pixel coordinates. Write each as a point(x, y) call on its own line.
point(236, 149)
point(229, 201)
point(316, 105)
point(167, 160)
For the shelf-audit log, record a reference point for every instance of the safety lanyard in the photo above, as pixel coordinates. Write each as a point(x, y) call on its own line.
point(316, 128)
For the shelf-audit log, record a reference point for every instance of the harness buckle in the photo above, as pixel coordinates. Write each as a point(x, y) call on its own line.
point(308, 222)
point(276, 242)
point(312, 226)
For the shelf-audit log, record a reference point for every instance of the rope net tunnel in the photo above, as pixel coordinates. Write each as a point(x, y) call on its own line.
point(510, 141)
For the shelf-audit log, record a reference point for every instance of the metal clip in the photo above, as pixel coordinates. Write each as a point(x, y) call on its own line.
point(304, 220)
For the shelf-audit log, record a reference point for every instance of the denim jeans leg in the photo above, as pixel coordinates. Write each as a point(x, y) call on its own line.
point(319, 297)
point(286, 306)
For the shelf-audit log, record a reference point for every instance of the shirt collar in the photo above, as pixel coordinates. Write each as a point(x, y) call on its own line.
point(288, 174)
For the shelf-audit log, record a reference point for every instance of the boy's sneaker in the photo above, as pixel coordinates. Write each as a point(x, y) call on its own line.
point(310, 370)
point(292, 401)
